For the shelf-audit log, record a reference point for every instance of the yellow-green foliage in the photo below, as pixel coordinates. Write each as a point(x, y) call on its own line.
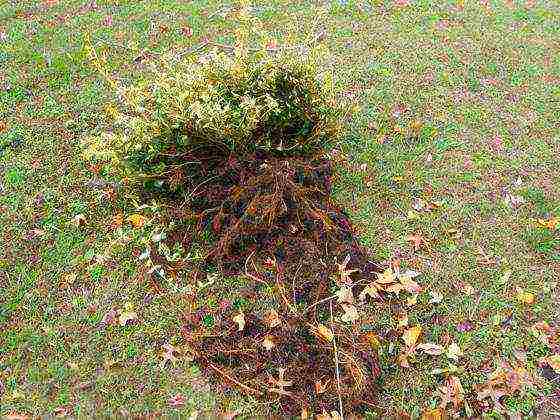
point(233, 104)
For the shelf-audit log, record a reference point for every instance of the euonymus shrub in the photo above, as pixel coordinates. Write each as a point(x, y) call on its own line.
point(218, 106)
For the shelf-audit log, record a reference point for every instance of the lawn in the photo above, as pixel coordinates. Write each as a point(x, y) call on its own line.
point(448, 167)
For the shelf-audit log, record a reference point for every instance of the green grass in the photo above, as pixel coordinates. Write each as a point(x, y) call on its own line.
point(467, 74)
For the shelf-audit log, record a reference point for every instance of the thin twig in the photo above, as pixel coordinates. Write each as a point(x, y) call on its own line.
point(196, 188)
point(236, 382)
point(336, 365)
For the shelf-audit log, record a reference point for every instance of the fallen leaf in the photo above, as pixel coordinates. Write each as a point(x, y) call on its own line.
point(454, 351)
point(3, 126)
point(386, 277)
point(409, 285)
point(110, 318)
point(345, 295)
point(343, 272)
point(410, 336)
point(79, 220)
point(169, 354)
point(239, 319)
point(177, 401)
point(402, 320)
point(350, 313)
point(412, 300)
point(187, 31)
point(464, 326)
point(416, 240)
point(551, 224)
point(370, 290)
point(436, 297)
point(435, 414)
point(137, 220)
point(525, 297)
point(553, 361)
point(281, 383)
point(268, 342)
point(430, 348)
point(117, 221)
point(128, 316)
point(402, 360)
point(271, 318)
point(320, 387)
point(325, 333)
point(467, 289)
point(452, 392)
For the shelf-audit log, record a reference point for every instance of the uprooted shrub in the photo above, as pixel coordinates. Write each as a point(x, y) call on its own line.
point(241, 143)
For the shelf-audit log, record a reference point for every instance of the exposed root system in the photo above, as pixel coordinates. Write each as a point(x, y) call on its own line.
point(277, 225)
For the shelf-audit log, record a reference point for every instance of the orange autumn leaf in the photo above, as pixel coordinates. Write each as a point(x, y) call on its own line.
point(137, 220)
point(435, 414)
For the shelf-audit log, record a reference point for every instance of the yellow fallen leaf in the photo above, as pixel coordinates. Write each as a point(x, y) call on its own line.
point(371, 291)
point(324, 332)
point(386, 277)
point(551, 224)
point(373, 340)
point(410, 336)
point(127, 317)
point(525, 297)
point(454, 351)
point(137, 220)
point(239, 319)
point(402, 360)
point(409, 285)
point(412, 300)
point(435, 414)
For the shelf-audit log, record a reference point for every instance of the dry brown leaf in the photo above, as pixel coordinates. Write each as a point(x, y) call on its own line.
point(553, 361)
point(271, 318)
